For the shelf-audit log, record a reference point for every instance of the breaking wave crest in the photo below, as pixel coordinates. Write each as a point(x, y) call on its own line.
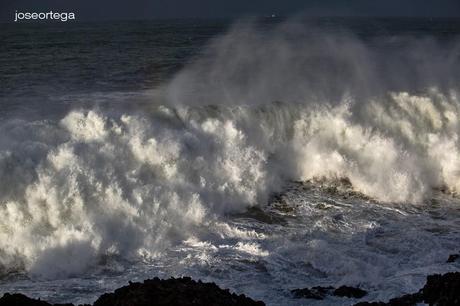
point(96, 183)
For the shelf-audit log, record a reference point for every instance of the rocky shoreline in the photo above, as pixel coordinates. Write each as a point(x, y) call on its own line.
point(175, 291)
point(440, 290)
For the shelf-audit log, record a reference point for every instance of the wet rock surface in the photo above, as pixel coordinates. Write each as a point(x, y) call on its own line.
point(440, 290)
point(180, 292)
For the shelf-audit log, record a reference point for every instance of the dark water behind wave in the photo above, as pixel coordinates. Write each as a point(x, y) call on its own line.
point(47, 59)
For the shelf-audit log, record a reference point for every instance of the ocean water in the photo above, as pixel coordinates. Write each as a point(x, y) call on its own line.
point(263, 155)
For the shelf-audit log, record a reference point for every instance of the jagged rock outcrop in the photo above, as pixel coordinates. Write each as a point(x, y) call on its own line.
point(175, 291)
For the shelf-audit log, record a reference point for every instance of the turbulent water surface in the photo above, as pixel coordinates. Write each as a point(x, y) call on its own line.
point(263, 155)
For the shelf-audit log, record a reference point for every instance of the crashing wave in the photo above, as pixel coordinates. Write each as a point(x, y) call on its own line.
point(97, 183)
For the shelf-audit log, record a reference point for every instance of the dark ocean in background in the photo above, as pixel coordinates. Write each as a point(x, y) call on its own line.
point(260, 154)
point(54, 61)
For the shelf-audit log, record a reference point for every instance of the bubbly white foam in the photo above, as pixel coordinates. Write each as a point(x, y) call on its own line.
point(131, 185)
point(96, 184)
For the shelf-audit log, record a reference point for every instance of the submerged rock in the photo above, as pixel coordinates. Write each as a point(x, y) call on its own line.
point(181, 292)
point(316, 293)
point(350, 292)
point(453, 258)
point(319, 293)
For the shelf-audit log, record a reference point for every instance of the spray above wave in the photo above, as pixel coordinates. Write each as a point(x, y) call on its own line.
point(392, 101)
point(94, 184)
point(298, 62)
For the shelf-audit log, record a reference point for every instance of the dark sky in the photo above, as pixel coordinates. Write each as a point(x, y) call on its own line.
point(152, 9)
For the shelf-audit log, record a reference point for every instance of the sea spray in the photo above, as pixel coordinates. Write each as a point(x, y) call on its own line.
point(232, 128)
point(132, 185)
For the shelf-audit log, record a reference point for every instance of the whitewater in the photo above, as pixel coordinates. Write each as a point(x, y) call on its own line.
point(273, 160)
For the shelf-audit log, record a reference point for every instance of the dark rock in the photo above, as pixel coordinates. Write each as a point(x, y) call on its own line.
point(180, 292)
point(406, 300)
point(319, 293)
point(350, 292)
point(439, 290)
point(316, 293)
point(453, 258)
point(442, 290)
point(17, 299)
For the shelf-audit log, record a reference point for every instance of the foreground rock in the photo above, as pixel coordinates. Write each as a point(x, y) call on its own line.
point(440, 290)
point(180, 292)
point(183, 291)
point(22, 300)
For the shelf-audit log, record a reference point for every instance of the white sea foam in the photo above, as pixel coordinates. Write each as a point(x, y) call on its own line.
point(118, 185)
point(97, 183)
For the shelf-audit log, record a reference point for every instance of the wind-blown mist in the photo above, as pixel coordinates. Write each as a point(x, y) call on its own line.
point(381, 112)
point(257, 109)
point(301, 63)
